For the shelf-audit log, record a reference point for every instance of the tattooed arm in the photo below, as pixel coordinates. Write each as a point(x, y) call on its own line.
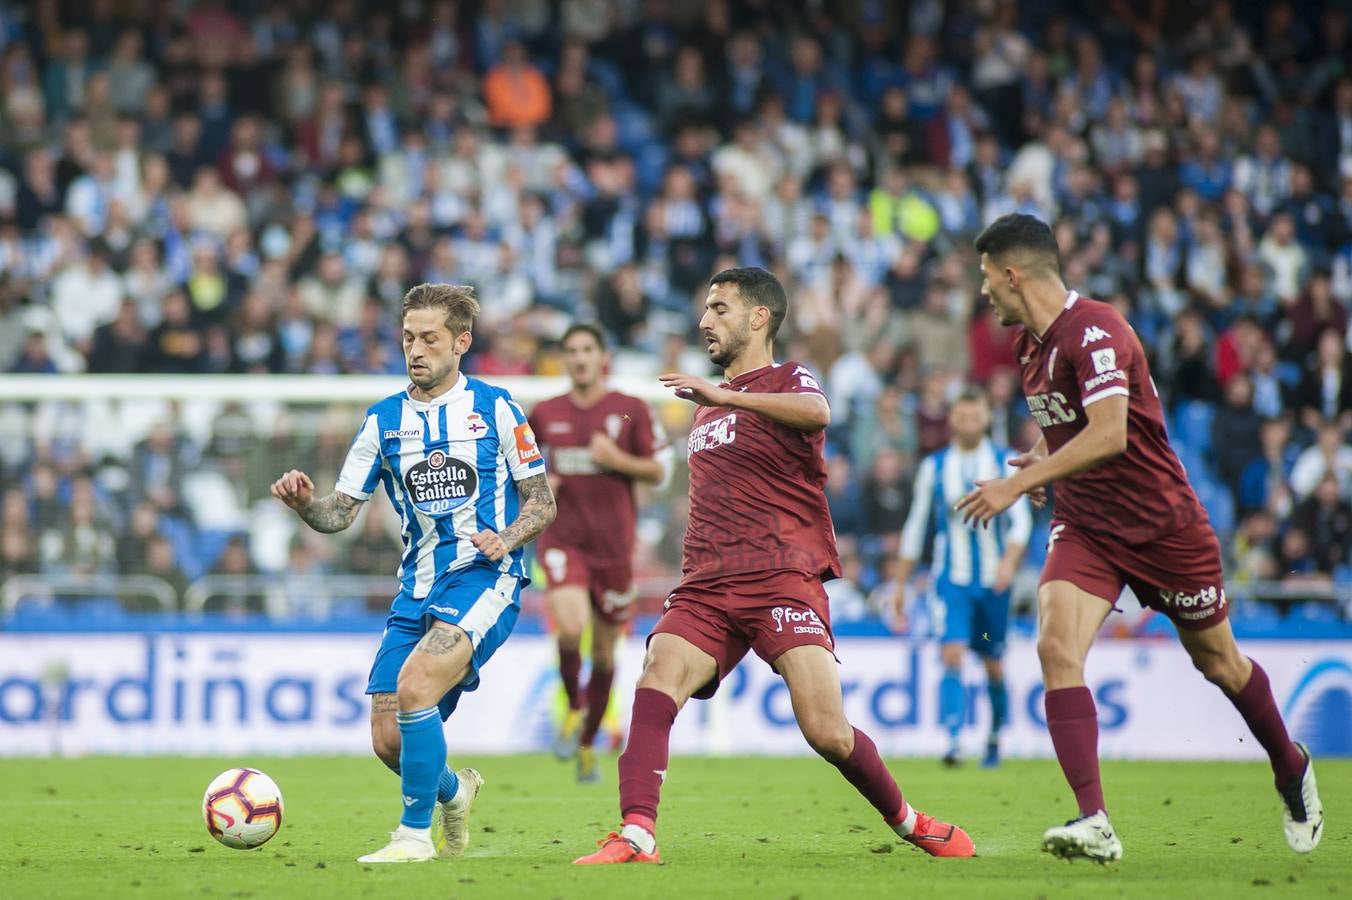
point(325, 515)
point(537, 511)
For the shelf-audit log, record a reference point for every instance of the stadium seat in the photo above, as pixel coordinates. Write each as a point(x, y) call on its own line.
point(1193, 422)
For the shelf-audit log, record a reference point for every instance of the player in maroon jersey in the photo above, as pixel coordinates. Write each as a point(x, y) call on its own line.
point(599, 442)
point(757, 547)
point(1124, 515)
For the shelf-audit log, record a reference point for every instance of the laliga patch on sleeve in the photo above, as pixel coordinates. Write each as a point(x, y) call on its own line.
point(1105, 360)
point(527, 450)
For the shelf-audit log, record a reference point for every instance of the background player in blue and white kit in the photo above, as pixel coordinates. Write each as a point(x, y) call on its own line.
point(459, 463)
point(972, 567)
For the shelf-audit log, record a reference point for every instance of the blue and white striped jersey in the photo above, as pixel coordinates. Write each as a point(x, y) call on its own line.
point(963, 555)
point(445, 465)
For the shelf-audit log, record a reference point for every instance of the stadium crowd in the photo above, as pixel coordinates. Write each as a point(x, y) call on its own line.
point(218, 187)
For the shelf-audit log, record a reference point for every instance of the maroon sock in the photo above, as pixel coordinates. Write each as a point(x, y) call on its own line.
point(865, 769)
point(1260, 713)
point(598, 698)
point(570, 670)
point(1073, 723)
point(643, 764)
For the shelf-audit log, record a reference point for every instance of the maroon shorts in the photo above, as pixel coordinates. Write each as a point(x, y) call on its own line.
point(768, 612)
point(1178, 574)
point(610, 585)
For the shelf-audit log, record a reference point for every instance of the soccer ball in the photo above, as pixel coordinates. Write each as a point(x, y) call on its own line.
point(242, 808)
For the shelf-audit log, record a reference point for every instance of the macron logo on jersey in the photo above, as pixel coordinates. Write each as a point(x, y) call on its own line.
point(1092, 335)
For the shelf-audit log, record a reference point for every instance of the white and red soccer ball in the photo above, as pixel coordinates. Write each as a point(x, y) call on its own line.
point(242, 808)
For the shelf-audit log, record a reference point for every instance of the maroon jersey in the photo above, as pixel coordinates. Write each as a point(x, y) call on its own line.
point(757, 488)
point(597, 513)
point(1087, 354)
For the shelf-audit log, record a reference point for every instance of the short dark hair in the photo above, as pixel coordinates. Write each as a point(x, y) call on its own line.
point(758, 288)
point(1019, 232)
point(972, 394)
point(584, 328)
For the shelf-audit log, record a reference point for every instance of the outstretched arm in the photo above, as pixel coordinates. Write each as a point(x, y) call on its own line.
point(537, 511)
point(327, 514)
point(806, 412)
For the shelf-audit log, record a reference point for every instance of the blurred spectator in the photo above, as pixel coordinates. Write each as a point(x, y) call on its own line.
point(1326, 518)
point(515, 91)
point(1234, 431)
point(1325, 391)
point(1263, 483)
point(1328, 455)
point(119, 345)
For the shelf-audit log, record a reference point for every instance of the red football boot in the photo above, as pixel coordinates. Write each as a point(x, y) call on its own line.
point(616, 849)
point(939, 838)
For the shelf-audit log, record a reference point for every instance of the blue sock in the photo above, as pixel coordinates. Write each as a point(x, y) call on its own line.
point(952, 702)
point(448, 785)
point(999, 705)
point(422, 759)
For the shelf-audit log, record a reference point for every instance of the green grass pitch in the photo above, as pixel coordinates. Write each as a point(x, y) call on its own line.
point(732, 827)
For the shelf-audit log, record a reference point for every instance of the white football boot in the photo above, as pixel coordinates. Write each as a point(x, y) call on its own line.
point(1302, 812)
point(406, 845)
point(455, 813)
point(1088, 837)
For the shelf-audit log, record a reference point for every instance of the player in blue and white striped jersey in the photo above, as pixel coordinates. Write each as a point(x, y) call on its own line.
point(972, 568)
point(459, 463)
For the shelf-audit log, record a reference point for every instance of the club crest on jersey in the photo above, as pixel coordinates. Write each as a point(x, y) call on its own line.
point(1093, 334)
point(474, 423)
point(440, 483)
point(614, 423)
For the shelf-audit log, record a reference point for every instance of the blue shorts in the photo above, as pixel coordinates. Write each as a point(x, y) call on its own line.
point(479, 599)
point(973, 615)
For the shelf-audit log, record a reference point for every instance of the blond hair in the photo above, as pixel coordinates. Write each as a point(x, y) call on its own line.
point(457, 301)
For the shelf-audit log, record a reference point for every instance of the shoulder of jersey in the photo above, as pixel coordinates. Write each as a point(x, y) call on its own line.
point(396, 399)
point(1093, 321)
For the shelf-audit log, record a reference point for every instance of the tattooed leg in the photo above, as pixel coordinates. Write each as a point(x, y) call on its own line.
point(439, 662)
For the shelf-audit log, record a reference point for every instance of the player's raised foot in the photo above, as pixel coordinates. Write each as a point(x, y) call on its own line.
point(454, 814)
point(406, 845)
point(565, 745)
point(940, 838)
point(588, 772)
point(992, 758)
point(1302, 811)
point(1088, 837)
point(618, 849)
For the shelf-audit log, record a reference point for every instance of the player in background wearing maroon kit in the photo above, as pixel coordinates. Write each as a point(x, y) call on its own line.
point(1124, 515)
point(599, 442)
point(757, 547)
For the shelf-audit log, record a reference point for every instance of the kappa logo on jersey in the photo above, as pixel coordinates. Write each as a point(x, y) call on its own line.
point(475, 423)
point(439, 484)
point(1093, 334)
point(718, 433)
point(805, 378)
point(1105, 360)
point(527, 450)
point(803, 621)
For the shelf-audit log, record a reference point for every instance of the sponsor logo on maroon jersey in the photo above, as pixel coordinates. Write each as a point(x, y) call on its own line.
point(1194, 606)
point(1050, 409)
point(1093, 334)
point(802, 621)
point(1106, 377)
point(718, 433)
